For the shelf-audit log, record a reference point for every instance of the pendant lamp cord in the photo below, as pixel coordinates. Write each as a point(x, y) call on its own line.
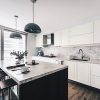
point(33, 1)
point(16, 17)
point(33, 12)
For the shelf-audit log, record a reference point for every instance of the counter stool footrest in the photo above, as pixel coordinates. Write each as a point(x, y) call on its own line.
point(6, 86)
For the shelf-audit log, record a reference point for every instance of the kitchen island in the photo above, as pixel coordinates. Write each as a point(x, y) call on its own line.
point(45, 81)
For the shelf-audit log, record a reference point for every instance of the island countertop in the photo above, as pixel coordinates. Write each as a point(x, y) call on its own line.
point(36, 71)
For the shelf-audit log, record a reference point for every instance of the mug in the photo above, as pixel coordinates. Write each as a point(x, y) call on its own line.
point(33, 62)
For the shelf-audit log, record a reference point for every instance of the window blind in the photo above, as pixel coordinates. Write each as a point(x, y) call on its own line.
point(11, 44)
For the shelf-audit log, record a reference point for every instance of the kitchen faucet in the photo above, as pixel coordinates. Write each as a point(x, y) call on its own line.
point(80, 50)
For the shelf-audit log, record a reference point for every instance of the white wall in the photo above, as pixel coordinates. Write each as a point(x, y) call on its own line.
point(9, 8)
point(30, 46)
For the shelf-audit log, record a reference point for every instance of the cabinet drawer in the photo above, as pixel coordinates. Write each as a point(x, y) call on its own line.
point(95, 69)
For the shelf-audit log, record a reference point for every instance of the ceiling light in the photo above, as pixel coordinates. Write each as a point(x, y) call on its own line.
point(32, 27)
point(15, 35)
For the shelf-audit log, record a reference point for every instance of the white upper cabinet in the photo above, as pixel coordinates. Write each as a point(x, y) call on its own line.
point(57, 38)
point(88, 33)
point(82, 34)
point(81, 39)
point(82, 29)
point(65, 37)
point(39, 40)
point(61, 38)
point(97, 31)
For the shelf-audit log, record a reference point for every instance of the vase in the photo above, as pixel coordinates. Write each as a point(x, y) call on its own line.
point(19, 61)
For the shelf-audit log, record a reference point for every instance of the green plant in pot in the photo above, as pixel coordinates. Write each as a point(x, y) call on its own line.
point(19, 56)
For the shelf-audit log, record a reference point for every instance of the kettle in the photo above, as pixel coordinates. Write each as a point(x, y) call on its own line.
point(40, 53)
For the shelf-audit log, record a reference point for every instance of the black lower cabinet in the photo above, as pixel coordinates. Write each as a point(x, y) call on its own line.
point(50, 87)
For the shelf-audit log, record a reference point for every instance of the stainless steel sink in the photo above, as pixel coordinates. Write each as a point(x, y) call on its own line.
point(79, 59)
point(49, 56)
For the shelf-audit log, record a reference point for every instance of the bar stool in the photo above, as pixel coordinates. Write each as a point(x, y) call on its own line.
point(6, 86)
point(2, 75)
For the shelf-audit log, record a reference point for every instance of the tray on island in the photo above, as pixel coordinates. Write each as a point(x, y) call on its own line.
point(32, 64)
point(15, 66)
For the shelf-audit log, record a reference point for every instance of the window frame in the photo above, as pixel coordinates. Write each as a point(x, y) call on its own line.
point(2, 29)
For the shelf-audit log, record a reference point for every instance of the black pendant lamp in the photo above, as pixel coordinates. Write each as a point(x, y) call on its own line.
point(15, 35)
point(32, 27)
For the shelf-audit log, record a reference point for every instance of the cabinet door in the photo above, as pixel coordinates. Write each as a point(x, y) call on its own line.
point(81, 39)
point(57, 38)
point(95, 75)
point(97, 31)
point(39, 40)
point(81, 34)
point(71, 70)
point(83, 73)
point(65, 37)
point(95, 81)
point(82, 29)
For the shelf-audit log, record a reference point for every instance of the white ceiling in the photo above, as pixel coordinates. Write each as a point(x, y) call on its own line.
point(53, 15)
point(50, 15)
point(9, 8)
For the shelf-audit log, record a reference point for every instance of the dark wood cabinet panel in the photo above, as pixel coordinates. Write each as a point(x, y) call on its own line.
point(50, 87)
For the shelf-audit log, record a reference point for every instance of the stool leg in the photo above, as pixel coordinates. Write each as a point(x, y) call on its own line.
point(9, 97)
point(3, 96)
point(17, 90)
point(4, 78)
point(9, 94)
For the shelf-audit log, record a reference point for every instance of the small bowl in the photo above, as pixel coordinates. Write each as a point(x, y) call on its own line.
point(24, 69)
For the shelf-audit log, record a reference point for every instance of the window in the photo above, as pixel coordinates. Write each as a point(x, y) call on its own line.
point(0, 44)
point(9, 44)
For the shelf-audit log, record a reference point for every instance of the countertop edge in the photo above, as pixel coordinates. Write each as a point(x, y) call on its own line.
point(42, 75)
point(35, 77)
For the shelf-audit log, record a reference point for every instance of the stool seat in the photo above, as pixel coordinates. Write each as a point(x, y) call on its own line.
point(2, 73)
point(7, 84)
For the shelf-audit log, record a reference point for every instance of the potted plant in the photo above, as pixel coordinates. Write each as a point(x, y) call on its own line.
point(19, 56)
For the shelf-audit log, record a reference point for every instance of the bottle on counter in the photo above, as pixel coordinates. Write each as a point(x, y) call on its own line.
point(33, 62)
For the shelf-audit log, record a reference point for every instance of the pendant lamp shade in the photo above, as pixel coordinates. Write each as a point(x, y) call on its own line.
point(15, 35)
point(32, 27)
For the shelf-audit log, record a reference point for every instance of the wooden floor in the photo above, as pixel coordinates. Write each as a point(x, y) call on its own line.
point(81, 92)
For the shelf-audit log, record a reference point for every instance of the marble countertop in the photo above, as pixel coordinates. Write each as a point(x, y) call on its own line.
point(42, 57)
point(36, 71)
point(92, 61)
